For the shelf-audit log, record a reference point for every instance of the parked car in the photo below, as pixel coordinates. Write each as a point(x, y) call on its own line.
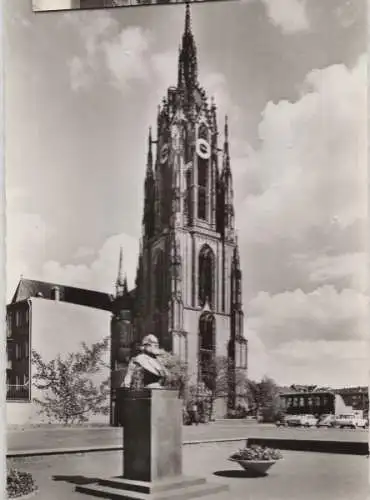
point(326, 421)
point(349, 420)
point(301, 421)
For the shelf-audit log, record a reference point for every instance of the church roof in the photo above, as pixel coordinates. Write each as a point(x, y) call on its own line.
point(27, 289)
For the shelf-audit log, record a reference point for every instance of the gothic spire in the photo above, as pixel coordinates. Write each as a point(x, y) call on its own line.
point(226, 152)
point(125, 285)
point(188, 65)
point(150, 153)
point(119, 280)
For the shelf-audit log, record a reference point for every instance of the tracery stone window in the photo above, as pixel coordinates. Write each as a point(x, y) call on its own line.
point(207, 349)
point(203, 174)
point(206, 270)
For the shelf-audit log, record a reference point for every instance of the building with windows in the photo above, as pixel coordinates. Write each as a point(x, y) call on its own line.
point(189, 280)
point(51, 319)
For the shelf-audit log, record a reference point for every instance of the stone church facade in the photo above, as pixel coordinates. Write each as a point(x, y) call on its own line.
point(189, 281)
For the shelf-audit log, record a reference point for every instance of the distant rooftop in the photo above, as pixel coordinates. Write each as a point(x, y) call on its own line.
point(27, 289)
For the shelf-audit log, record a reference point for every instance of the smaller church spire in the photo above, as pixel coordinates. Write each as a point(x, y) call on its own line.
point(187, 18)
point(150, 152)
point(125, 285)
point(119, 280)
point(226, 152)
point(226, 135)
point(188, 65)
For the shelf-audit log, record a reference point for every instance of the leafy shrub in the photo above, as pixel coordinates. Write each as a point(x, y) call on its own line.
point(256, 452)
point(19, 483)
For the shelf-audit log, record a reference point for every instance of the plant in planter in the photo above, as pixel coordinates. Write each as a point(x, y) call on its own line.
point(19, 484)
point(257, 459)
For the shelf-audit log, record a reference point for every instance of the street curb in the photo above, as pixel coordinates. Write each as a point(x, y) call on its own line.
point(97, 449)
point(323, 446)
point(314, 445)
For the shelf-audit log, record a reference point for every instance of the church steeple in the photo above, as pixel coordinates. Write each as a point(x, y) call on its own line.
point(188, 64)
point(226, 153)
point(149, 191)
point(149, 164)
point(120, 278)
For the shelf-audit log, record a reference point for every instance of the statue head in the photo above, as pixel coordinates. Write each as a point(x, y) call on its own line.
point(150, 345)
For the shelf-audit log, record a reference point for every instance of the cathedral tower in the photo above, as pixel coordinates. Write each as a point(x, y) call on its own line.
point(189, 281)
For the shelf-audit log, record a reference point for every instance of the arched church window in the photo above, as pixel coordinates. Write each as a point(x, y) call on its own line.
point(207, 349)
point(206, 275)
point(203, 155)
point(159, 280)
point(188, 192)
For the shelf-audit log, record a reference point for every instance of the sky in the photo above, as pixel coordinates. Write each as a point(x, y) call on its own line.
point(81, 90)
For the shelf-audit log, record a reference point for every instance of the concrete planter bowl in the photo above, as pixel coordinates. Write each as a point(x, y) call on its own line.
point(256, 467)
point(256, 460)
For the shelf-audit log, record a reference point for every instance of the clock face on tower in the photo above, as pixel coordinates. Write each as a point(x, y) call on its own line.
point(163, 155)
point(203, 149)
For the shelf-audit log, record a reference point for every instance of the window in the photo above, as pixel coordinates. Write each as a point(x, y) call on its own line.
point(17, 318)
point(17, 380)
point(207, 350)
point(27, 316)
point(241, 354)
point(202, 203)
point(17, 351)
point(9, 325)
point(26, 349)
point(206, 276)
point(203, 172)
point(301, 402)
point(188, 193)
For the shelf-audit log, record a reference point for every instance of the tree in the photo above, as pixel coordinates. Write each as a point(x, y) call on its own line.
point(177, 370)
point(70, 394)
point(264, 398)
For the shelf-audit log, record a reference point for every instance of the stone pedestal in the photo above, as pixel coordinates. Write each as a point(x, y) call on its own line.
point(152, 457)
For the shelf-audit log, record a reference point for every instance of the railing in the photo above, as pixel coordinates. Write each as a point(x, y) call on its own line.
point(18, 392)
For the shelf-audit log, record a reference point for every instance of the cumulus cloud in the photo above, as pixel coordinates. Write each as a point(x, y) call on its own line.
point(101, 274)
point(289, 15)
point(324, 314)
point(26, 236)
point(30, 259)
point(122, 56)
point(303, 226)
point(309, 190)
point(126, 54)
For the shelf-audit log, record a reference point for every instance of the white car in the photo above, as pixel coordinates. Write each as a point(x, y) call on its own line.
point(326, 421)
point(301, 421)
point(350, 421)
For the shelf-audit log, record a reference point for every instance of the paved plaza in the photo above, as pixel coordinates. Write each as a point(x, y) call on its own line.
point(299, 475)
point(54, 438)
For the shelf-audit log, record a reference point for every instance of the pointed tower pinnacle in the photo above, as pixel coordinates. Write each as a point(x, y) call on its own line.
point(188, 65)
point(119, 280)
point(226, 155)
point(150, 153)
point(125, 285)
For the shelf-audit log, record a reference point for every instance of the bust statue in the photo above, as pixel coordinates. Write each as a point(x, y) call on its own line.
point(145, 371)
